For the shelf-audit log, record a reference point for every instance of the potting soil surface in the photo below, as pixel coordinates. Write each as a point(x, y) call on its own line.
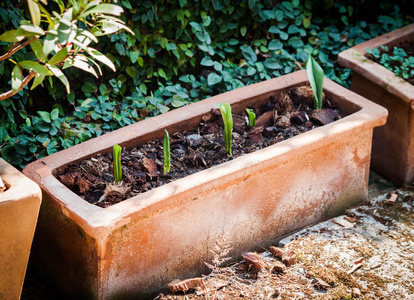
point(282, 117)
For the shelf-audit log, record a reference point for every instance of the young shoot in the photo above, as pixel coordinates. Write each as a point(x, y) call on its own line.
point(252, 117)
point(167, 153)
point(225, 110)
point(315, 76)
point(116, 156)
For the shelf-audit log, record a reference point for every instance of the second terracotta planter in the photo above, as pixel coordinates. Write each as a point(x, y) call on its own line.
point(137, 246)
point(393, 144)
point(19, 209)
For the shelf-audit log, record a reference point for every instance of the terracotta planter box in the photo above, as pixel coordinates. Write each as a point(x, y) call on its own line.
point(19, 209)
point(137, 246)
point(393, 144)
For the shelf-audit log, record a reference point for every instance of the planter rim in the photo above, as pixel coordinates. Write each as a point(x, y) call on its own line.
point(354, 58)
point(103, 220)
point(18, 185)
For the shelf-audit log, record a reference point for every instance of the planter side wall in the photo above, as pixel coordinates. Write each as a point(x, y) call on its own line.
point(64, 255)
point(293, 191)
point(393, 144)
point(19, 208)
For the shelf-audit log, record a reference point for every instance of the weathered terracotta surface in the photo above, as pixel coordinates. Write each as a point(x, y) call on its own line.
point(139, 245)
point(393, 144)
point(19, 209)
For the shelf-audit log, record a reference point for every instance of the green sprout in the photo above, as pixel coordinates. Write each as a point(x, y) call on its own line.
point(167, 153)
point(116, 156)
point(225, 110)
point(252, 117)
point(315, 76)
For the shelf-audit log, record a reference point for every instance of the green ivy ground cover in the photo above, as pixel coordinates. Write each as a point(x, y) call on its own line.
point(182, 52)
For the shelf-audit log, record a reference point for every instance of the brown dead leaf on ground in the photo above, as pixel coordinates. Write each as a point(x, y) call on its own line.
point(178, 285)
point(254, 261)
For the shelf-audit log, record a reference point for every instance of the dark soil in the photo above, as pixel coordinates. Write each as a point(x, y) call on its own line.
point(198, 149)
point(408, 48)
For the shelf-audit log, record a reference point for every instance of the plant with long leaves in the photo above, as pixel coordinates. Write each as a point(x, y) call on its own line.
point(225, 110)
point(117, 166)
point(65, 35)
point(167, 153)
point(315, 76)
point(252, 117)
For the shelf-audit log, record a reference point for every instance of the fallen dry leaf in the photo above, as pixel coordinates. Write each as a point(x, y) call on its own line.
point(338, 223)
point(357, 264)
point(150, 166)
point(178, 285)
point(276, 251)
point(320, 284)
point(254, 261)
point(289, 257)
point(392, 199)
point(279, 268)
point(349, 219)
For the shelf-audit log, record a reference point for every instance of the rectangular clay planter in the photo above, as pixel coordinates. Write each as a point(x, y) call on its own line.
point(19, 209)
point(393, 144)
point(137, 246)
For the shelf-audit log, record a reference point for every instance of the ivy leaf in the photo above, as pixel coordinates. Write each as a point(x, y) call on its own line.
point(16, 78)
point(130, 71)
point(126, 4)
point(206, 61)
point(45, 116)
point(272, 63)
point(275, 45)
point(54, 114)
point(213, 79)
point(133, 55)
point(178, 101)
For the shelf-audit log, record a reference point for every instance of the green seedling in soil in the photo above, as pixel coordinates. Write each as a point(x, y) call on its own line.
point(167, 153)
point(116, 156)
point(315, 76)
point(225, 110)
point(252, 117)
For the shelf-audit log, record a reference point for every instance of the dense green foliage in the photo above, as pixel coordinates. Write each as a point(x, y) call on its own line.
point(183, 51)
point(399, 62)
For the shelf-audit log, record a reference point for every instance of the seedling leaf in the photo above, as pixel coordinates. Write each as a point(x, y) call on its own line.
point(225, 110)
point(167, 153)
point(315, 76)
point(252, 117)
point(116, 156)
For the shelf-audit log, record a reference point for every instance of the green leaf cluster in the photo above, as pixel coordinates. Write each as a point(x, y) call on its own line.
point(179, 52)
point(395, 60)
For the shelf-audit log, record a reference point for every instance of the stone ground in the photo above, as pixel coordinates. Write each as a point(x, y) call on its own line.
point(367, 253)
